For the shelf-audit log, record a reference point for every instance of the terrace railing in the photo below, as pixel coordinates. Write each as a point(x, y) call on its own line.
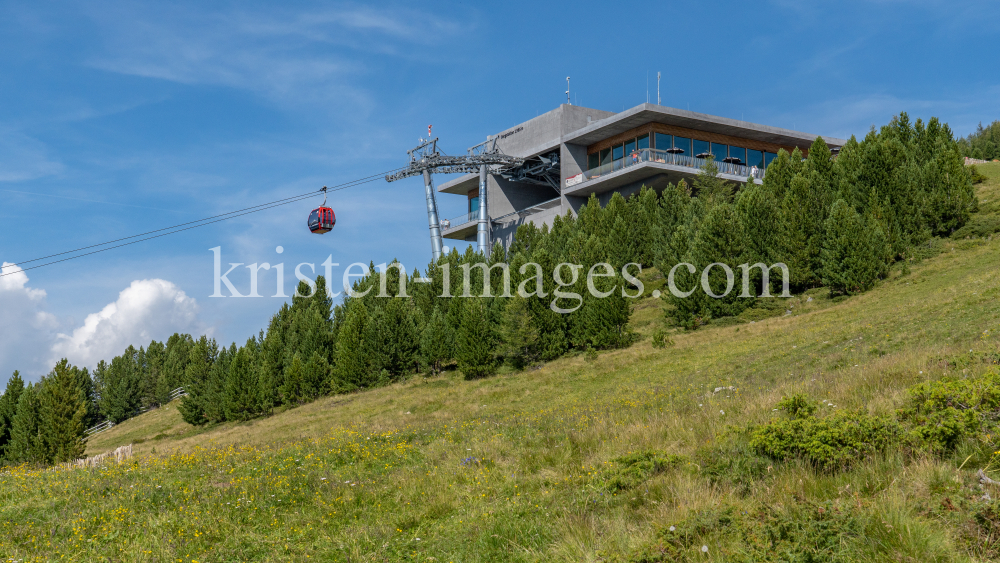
point(664, 157)
point(470, 217)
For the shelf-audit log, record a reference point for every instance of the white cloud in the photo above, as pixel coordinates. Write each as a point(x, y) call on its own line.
point(24, 158)
point(26, 328)
point(283, 54)
point(146, 310)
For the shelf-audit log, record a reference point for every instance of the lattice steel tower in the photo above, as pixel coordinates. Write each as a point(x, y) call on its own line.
point(425, 158)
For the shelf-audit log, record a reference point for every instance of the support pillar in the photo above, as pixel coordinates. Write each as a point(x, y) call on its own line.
point(432, 217)
point(483, 231)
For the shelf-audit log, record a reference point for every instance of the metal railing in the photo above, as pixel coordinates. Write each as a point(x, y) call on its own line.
point(99, 428)
point(179, 392)
point(470, 217)
point(107, 424)
point(664, 157)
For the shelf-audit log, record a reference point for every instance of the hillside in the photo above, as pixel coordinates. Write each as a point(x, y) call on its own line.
point(534, 465)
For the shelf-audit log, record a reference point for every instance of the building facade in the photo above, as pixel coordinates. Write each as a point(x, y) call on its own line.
point(572, 152)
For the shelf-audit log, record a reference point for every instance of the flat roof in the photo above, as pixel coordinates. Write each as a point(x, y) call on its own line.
point(640, 115)
point(651, 113)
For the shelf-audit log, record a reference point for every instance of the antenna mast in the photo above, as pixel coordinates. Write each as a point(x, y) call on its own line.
point(658, 88)
point(569, 103)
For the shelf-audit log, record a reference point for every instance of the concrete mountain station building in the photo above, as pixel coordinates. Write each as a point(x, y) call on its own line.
point(572, 152)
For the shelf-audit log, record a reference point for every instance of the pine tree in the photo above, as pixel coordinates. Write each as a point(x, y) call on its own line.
point(274, 349)
point(291, 391)
point(802, 223)
point(8, 408)
point(778, 176)
point(710, 188)
point(315, 377)
point(352, 365)
point(197, 371)
point(85, 383)
point(177, 354)
point(552, 326)
point(601, 322)
point(25, 445)
point(518, 333)
point(215, 389)
point(646, 210)
point(241, 397)
point(720, 239)
point(436, 342)
point(63, 411)
point(854, 251)
point(120, 390)
point(475, 340)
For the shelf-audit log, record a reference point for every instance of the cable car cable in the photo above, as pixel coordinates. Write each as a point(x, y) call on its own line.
point(200, 223)
point(152, 237)
point(337, 187)
point(344, 185)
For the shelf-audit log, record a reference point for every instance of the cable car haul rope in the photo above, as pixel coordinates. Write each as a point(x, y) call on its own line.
point(324, 217)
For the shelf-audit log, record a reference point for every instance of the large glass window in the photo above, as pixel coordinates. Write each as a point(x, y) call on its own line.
point(684, 144)
point(768, 157)
point(473, 204)
point(629, 147)
point(617, 152)
point(738, 152)
point(719, 152)
point(605, 157)
point(701, 149)
point(593, 161)
point(755, 158)
point(663, 142)
point(642, 142)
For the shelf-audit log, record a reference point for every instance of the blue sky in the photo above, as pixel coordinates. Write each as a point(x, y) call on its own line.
point(122, 117)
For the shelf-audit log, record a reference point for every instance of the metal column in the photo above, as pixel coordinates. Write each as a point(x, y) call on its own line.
point(432, 216)
point(483, 233)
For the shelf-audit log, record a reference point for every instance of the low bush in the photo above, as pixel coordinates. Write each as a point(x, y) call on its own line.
point(804, 532)
point(941, 413)
point(831, 443)
point(633, 469)
point(660, 339)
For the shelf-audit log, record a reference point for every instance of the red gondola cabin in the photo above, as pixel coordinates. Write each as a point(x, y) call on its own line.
point(322, 220)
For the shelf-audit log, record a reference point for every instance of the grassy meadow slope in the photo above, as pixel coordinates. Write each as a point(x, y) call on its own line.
point(534, 465)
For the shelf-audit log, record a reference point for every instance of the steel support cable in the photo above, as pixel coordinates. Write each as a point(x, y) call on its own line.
point(337, 187)
point(193, 224)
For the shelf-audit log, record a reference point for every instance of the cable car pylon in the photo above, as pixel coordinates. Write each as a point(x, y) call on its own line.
point(426, 159)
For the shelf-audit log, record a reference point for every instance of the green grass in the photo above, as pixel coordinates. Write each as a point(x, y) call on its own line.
point(574, 461)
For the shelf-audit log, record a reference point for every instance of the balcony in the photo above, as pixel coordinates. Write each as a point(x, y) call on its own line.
point(624, 170)
point(464, 226)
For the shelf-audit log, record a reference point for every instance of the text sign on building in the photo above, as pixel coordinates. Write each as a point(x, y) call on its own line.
point(574, 180)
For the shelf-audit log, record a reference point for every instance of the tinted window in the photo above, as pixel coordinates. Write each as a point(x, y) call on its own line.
point(768, 157)
point(738, 152)
point(642, 142)
point(700, 148)
point(473, 204)
point(629, 147)
point(684, 144)
point(719, 151)
point(755, 158)
point(605, 157)
point(663, 142)
point(593, 161)
point(617, 152)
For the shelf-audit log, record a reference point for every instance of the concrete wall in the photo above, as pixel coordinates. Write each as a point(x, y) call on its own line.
point(533, 135)
point(507, 197)
point(505, 232)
